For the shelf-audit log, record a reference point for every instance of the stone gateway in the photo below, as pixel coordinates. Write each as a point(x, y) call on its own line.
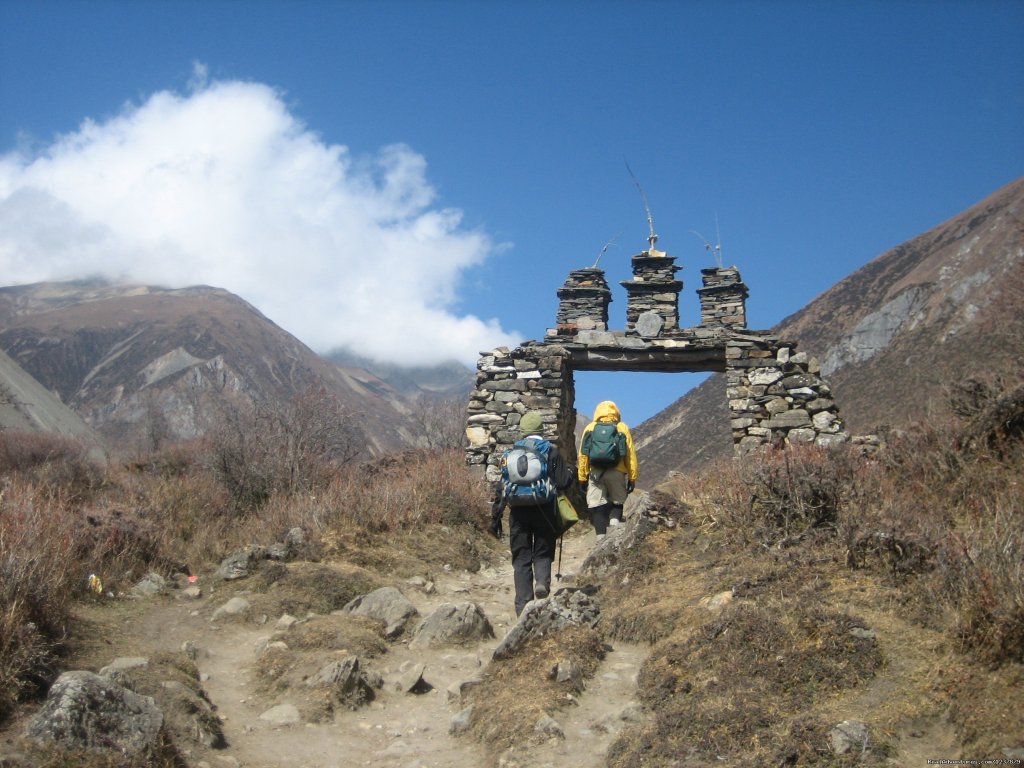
point(776, 394)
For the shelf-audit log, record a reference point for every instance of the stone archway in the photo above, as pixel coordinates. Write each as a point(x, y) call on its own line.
point(776, 394)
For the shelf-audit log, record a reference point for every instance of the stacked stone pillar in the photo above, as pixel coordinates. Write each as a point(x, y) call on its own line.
point(723, 299)
point(583, 303)
point(777, 396)
point(533, 377)
point(652, 304)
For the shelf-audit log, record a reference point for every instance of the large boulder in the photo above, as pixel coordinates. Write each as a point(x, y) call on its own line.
point(387, 604)
point(453, 624)
point(567, 608)
point(640, 523)
point(240, 564)
point(86, 710)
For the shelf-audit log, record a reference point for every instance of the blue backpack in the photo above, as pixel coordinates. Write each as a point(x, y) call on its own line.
point(525, 475)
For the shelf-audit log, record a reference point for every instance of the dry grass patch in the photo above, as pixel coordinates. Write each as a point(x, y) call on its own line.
point(986, 709)
point(649, 605)
point(518, 691)
point(301, 588)
point(295, 655)
point(418, 551)
point(164, 755)
point(739, 686)
point(357, 635)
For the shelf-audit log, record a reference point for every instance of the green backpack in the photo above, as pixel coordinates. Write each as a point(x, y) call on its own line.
point(604, 445)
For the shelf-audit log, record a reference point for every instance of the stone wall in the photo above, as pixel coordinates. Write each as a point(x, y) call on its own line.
point(508, 384)
point(777, 396)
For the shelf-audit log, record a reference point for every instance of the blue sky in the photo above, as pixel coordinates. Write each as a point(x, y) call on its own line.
point(248, 144)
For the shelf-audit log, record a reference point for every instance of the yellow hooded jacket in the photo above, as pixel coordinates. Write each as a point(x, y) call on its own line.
point(609, 411)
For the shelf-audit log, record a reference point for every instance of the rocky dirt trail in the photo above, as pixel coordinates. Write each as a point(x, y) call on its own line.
point(397, 729)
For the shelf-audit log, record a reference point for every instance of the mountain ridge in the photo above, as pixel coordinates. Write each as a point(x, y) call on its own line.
point(115, 353)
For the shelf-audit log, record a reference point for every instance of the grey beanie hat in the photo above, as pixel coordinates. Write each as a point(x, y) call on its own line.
point(531, 423)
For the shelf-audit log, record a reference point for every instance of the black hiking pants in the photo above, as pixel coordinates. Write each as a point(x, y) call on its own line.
point(600, 517)
point(532, 538)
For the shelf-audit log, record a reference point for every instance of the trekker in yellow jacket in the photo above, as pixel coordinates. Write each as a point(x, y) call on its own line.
point(608, 468)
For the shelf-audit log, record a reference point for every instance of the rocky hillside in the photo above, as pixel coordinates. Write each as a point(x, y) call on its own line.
point(27, 406)
point(892, 337)
point(129, 358)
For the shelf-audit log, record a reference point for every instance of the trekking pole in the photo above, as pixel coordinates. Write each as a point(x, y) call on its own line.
point(558, 571)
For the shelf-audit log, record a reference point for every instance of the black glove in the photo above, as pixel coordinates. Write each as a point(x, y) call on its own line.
point(583, 485)
point(630, 485)
point(496, 526)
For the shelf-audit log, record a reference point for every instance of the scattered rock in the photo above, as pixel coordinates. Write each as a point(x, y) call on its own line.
point(548, 726)
point(282, 714)
point(604, 559)
point(150, 585)
point(719, 601)
point(123, 664)
point(411, 680)
point(848, 736)
point(240, 564)
point(347, 682)
point(566, 671)
point(453, 624)
point(86, 710)
point(567, 608)
point(460, 722)
point(387, 604)
point(191, 593)
point(236, 606)
point(456, 691)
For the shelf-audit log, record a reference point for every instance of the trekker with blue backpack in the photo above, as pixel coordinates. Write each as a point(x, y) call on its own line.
point(607, 466)
point(533, 473)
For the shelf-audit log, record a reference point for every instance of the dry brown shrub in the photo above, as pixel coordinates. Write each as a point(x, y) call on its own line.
point(56, 464)
point(981, 574)
point(38, 576)
point(956, 517)
point(796, 490)
point(258, 450)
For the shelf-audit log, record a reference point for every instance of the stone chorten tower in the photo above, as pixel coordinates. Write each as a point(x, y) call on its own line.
point(723, 299)
point(583, 302)
point(652, 303)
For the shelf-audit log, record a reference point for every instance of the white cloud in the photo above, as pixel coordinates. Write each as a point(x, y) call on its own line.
point(225, 187)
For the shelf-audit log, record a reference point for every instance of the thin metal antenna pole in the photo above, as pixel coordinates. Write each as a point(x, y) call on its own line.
point(652, 238)
point(607, 245)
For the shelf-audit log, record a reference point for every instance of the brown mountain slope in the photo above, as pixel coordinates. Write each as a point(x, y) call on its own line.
point(891, 337)
point(120, 354)
point(27, 406)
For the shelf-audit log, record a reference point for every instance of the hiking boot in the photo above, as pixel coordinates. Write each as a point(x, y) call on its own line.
point(614, 521)
point(541, 591)
point(600, 537)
